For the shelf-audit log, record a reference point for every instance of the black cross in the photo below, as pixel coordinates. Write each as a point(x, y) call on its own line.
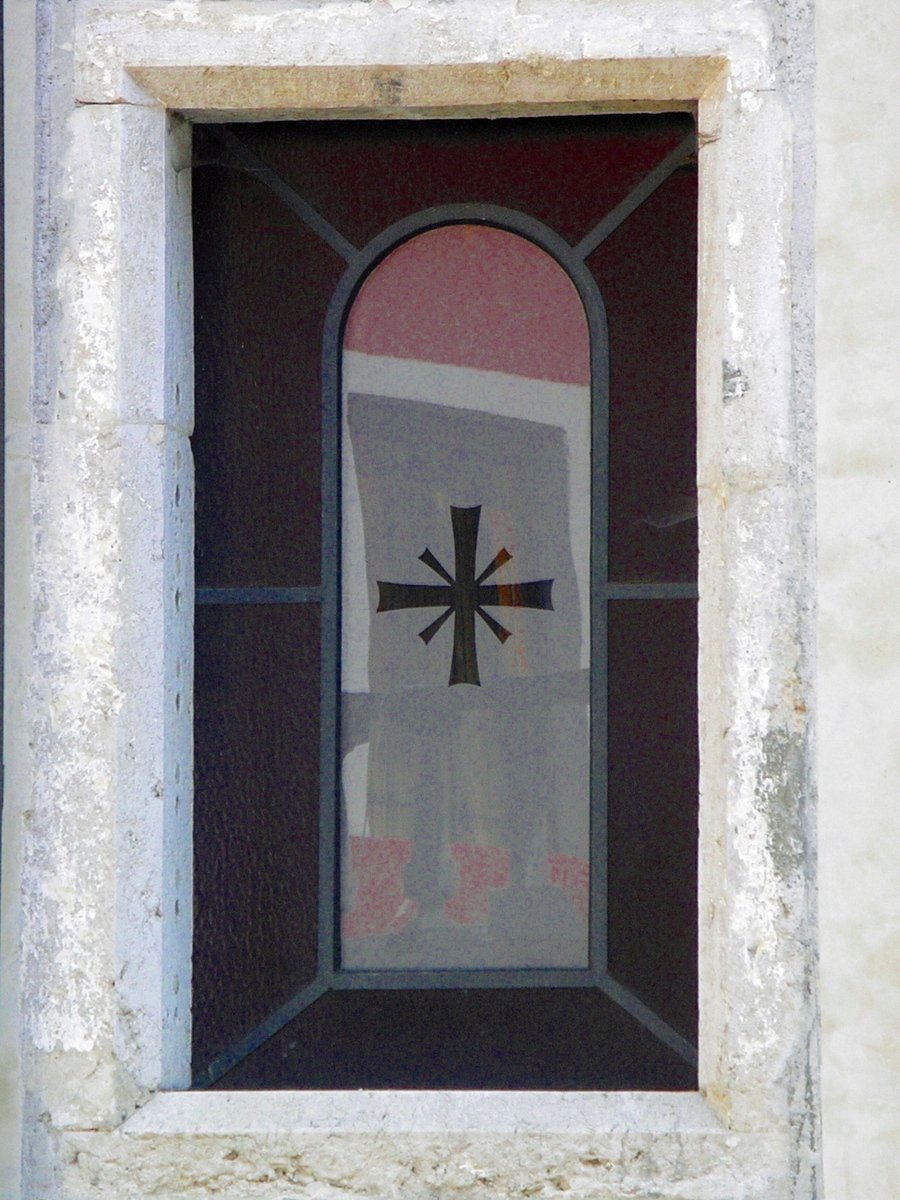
point(464, 596)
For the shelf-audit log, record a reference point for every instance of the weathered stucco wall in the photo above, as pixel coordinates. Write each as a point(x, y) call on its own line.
point(96, 842)
point(858, 249)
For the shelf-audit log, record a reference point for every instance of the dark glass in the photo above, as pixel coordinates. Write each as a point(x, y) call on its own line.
point(647, 272)
point(256, 807)
point(262, 285)
point(565, 171)
point(520, 1038)
point(653, 808)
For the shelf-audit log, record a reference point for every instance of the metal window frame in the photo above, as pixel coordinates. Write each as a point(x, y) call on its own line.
point(360, 262)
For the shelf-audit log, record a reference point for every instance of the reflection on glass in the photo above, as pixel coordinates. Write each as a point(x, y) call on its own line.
point(465, 700)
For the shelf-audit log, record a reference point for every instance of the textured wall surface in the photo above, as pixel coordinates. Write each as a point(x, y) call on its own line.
point(858, 247)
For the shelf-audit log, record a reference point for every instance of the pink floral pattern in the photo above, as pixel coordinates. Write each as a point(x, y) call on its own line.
point(574, 877)
point(381, 905)
point(480, 868)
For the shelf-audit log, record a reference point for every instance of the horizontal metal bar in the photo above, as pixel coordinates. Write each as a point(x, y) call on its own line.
point(313, 595)
point(259, 595)
point(460, 977)
point(636, 198)
point(651, 591)
point(302, 208)
point(266, 1029)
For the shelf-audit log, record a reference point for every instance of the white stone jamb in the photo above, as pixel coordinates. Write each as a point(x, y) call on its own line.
point(756, 983)
point(106, 880)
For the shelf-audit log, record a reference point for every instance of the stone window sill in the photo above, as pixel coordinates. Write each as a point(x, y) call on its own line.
point(417, 1112)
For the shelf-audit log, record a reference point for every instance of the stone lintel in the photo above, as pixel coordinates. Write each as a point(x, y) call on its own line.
point(534, 86)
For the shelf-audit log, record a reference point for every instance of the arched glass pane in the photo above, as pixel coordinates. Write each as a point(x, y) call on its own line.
point(466, 503)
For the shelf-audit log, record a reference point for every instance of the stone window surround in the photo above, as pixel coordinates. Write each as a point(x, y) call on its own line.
point(124, 414)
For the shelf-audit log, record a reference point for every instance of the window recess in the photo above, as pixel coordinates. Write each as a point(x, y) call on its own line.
point(445, 695)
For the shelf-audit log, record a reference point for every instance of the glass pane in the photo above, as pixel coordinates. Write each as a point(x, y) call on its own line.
point(256, 794)
point(520, 1038)
point(647, 269)
point(653, 807)
point(466, 521)
point(565, 171)
point(263, 281)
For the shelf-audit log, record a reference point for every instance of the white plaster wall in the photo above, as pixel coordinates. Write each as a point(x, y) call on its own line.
point(858, 401)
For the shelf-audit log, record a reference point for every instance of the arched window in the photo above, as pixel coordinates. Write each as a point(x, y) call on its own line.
point(465, 609)
point(491, 882)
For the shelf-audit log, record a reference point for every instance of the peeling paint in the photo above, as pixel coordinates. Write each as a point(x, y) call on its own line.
point(734, 383)
point(734, 311)
point(783, 784)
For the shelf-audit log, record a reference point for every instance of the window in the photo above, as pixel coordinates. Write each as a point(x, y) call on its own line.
point(434, 354)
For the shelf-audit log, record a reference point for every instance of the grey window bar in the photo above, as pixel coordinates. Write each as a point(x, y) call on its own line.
point(360, 261)
point(258, 595)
